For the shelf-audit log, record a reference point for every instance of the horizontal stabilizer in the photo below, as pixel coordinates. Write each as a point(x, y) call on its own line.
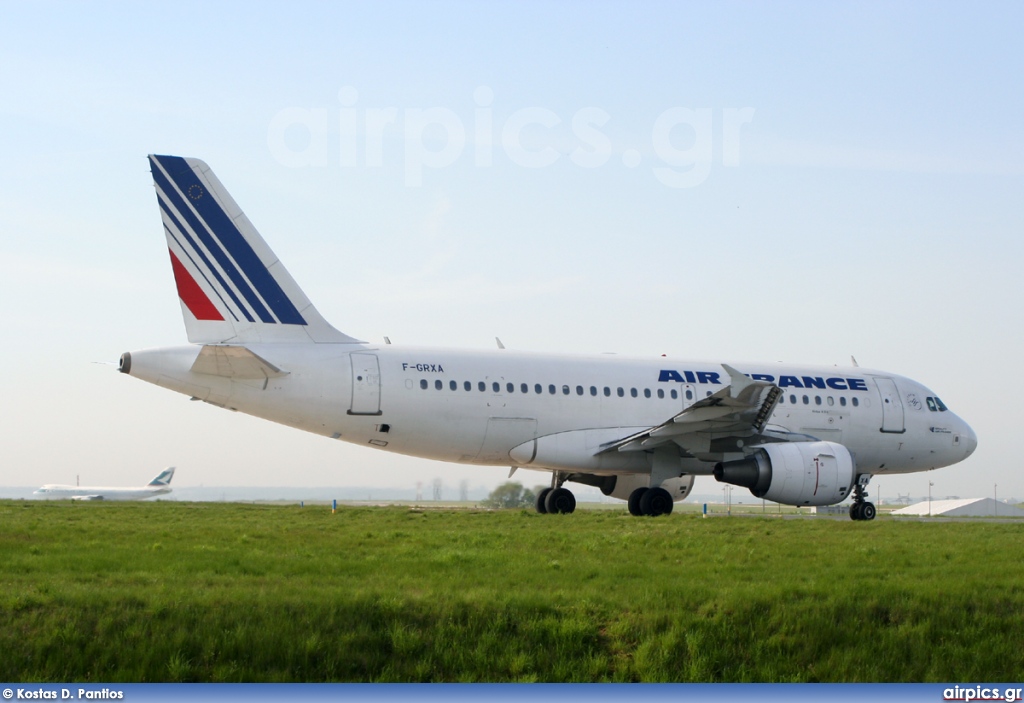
point(234, 362)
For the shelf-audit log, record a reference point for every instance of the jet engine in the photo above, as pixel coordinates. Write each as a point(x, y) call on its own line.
point(798, 473)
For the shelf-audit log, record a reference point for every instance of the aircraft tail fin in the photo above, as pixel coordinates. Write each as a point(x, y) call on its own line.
point(163, 478)
point(232, 288)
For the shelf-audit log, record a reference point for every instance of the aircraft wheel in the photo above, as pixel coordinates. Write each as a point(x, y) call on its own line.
point(542, 497)
point(560, 500)
point(867, 511)
point(634, 501)
point(656, 501)
point(855, 511)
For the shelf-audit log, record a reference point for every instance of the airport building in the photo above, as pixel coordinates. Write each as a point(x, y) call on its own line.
point(968, 507)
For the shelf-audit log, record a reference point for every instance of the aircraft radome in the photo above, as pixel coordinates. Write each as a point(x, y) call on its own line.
point(640, 429)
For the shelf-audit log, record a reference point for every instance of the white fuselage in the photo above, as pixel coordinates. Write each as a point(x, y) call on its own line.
point(55, 491)
point(639, 429)
point(545, 411)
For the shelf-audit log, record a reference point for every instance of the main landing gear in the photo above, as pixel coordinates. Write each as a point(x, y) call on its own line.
point(555, 499)
point(642, 501)
point(650, 501)
point(861, 508)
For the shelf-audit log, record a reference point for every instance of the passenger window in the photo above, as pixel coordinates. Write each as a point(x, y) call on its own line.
point(579, 390)
point(496, 387)
point(807, 401)
point(831, 401)
point(708, 394)
point(855, 402)
point(632, 392)
point(510, 387)
point(661, 392)
point(468, 386)
point(842, 400)
point(689, 394)
point(454, 385)
point(482, 386)
point(538, 389)
point(423, 384)
point(817, 400)
point(647, 392)
point(524, 388)
point(607, 392)
point(619, 392)
point(593, 390)
point(792, 399)
point(438, 385)
point(551, 388)
point(565, 390)
point(674, 393)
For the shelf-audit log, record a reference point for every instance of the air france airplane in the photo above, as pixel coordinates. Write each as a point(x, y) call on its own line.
point(158, 486)
point(640, 429)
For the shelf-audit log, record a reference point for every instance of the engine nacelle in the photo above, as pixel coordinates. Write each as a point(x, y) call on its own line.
point(797, 473)
point(621, 486)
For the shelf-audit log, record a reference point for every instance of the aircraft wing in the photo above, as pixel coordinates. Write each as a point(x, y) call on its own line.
point(740, 410)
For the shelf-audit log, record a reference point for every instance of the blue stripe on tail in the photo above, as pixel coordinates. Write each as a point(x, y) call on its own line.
point(213, 246)
point(192, 247)
point(224, 231)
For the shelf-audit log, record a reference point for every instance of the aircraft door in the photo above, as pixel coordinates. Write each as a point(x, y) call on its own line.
point(365, 385)
point(892, 406)
point(688, 394)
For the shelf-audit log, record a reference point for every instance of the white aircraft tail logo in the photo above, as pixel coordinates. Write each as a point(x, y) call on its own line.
point(163, 478)
point(232, 287)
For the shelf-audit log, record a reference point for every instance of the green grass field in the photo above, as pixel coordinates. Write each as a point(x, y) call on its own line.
point(229, 592)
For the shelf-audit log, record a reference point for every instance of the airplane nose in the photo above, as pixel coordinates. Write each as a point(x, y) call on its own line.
point(969, 440)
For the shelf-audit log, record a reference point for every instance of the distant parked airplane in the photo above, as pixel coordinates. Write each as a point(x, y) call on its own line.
point(158, 486)
point(639, 429)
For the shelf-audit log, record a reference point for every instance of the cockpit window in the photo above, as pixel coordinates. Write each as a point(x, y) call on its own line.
point(931, 404)
point(942, 406)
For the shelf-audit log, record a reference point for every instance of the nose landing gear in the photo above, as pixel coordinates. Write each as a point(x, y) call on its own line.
point(861, 508)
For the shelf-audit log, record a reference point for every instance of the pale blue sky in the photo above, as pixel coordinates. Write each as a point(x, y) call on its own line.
point(873, 205)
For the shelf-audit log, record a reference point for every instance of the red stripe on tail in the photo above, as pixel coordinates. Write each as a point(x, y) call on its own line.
point(191, 294)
